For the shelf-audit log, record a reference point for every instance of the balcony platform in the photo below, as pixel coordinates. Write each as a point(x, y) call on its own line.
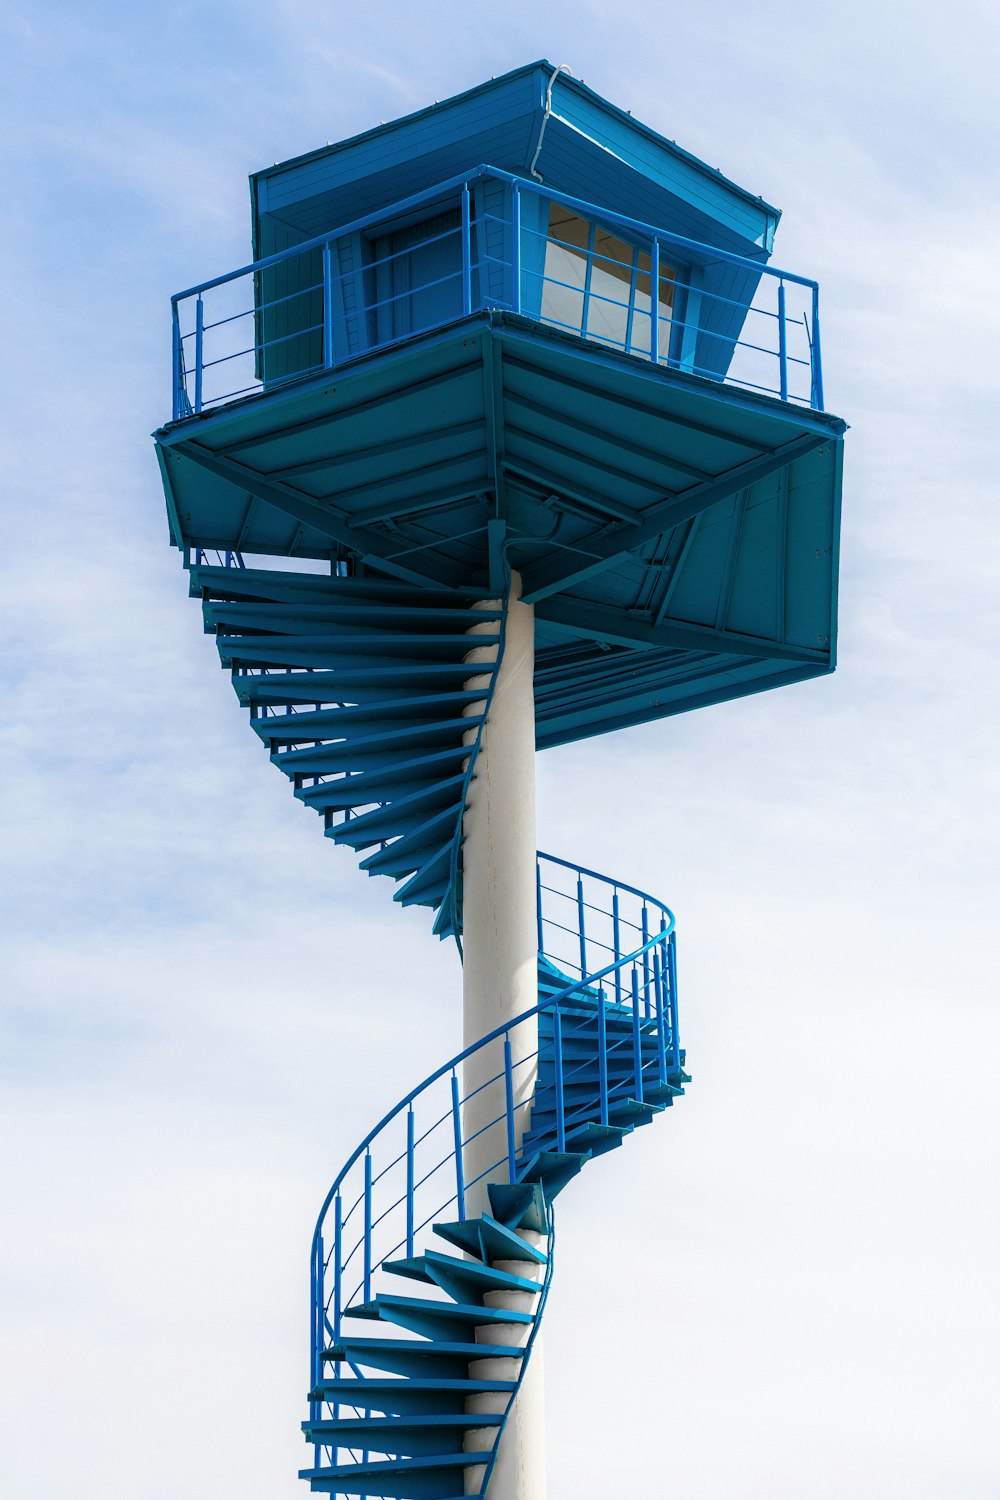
point(677, 535)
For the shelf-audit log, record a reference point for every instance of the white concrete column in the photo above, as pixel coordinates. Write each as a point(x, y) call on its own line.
point(500, 942)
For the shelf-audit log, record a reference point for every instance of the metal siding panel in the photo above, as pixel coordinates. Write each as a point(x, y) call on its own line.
point(708, 197)
point(754, 588)
point(504, 113)
point(810, 554)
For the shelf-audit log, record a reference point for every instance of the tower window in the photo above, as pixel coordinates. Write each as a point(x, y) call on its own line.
point(598, 285)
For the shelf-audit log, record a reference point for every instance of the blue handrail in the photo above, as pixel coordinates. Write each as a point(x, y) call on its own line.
point(696, 347)
point(652, 1000)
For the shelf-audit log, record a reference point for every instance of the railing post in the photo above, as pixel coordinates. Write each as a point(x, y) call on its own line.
point(199, 350)
point(177, 354)
point(602, 1054)
point(661, 1020)
point(560, 1096)
point(587, 279)
point(508, 1086)
point(338, 1234)
point(636, 1036)
point(409, 1181)
point(456, 1119)
point(782, 344)
point(538, 904)
point(675, 1041)
point(654, 304)
point(466, 250)
point(327, 306)
point(315, 1358)
point(368, 1227)
point(515, 247)
point(318, 1314)
point(645, 959)
point(581, 917)
point(817, 358)
point(617, 945)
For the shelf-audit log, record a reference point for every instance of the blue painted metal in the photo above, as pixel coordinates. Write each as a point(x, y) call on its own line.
point(436, 371)
point(716, 347)
point(600, 1075)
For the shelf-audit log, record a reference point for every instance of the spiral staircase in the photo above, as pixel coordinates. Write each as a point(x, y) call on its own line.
point(360, 688)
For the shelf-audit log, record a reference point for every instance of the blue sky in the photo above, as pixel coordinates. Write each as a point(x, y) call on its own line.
point(803, 1256)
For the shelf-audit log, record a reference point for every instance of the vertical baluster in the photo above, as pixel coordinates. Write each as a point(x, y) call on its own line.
point(368, 1226)
point(315, 1360)
point(602, 1054)
point(560, 1098)
point(654, 304)
point(630, 318)
point(338, 1244)
point(318, 1314)
point(636, 1036)
point(410, 1135)
point(587, 280)
point(177, 351)
point(581, 917)
point(616, 939)
point(782, 344)
point(199, 350)
point(645, 959)
point(466, 250)
point(508, 1086)
point(456, 1119)
point(538, 905)
point(327, 306)
point(817, 360)
point(515, 248)
point(675, 1041)
point(661, 1020)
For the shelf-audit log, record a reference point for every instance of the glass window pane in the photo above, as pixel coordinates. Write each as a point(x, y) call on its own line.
point(565, 269)
point(599, 285)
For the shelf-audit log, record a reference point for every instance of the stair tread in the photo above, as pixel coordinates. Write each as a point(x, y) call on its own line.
point(465, 1234)
point(452, 1311)
point(421, 1348)
point(471, 1271)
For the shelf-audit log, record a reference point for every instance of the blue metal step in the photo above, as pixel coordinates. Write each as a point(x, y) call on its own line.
point(459, 1278)
point(415, 1396)
point(519, 1205)
point(425, 1478)
point(398, 1436)
point(374, 782)
point(433, 1319)
point(438, 1358)
point(489, 1240)
point(553, 1169)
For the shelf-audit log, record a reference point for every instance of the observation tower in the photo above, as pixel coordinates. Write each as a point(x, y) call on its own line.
point(510, 435)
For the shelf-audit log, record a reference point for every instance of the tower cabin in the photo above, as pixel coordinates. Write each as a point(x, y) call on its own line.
point(521, 330)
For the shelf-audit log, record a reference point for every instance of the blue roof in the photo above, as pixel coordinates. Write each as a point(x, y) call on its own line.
point(536, 119)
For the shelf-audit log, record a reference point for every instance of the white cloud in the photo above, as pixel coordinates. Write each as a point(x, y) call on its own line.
point(792, 1276)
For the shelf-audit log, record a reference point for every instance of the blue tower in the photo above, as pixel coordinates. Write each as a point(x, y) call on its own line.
point(511, 434)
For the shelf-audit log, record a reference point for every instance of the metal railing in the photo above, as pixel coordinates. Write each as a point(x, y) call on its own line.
point(609, 942)
point(368, 284)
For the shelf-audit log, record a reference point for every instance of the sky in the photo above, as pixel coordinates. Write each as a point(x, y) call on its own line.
point(788, 1286)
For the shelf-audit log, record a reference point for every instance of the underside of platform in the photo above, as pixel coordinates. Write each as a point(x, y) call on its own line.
point(678, 537)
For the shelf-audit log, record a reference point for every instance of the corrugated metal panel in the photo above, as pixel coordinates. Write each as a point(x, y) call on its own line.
point(573, 165)
point(413, 153)
point(290, 327)
point(492, 207)
point(710, 195)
